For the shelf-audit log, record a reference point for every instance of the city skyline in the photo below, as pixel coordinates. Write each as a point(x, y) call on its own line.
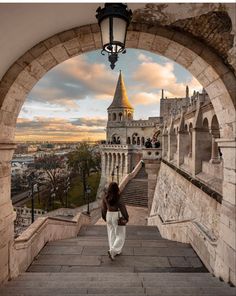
point(70, 102)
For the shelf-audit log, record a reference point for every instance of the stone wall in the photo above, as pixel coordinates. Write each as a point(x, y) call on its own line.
point(185, 213)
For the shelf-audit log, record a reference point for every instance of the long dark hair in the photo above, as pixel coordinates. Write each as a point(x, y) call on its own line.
point(113, 193)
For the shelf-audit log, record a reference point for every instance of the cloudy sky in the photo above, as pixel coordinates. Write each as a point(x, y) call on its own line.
point(70, 102)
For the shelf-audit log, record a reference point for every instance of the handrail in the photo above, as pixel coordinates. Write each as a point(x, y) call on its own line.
point(212, 240)
point(130, 176)
point(171, 221)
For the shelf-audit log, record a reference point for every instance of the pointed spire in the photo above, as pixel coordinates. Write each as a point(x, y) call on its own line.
point(120, 99)
point(187, 92)
point(162, 93)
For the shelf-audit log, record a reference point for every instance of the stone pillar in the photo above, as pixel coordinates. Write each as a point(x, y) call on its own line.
point(106, 163)
point(152, 167)
point(7, 215)
point(103, 165)
point(190, 140)
point(214, 151)
point(164, 145)
point(226, 249)
point(182, 146)
point(127, 163)
point(109, 165)
point(172, 145)
point(201, 148)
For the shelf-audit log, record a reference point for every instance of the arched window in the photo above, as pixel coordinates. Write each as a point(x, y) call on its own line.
point(206, 141)
point(138, 141)
point(129, 116)
point(120, 116)
point(113, 139)
point(128, 141)
point(114, 116)
point(215, 125)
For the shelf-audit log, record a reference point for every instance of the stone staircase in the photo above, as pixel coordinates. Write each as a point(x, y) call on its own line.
point(149, 265)
point(136, 191)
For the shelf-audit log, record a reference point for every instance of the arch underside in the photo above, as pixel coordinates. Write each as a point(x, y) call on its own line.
point(205, 65)
point(208, 68)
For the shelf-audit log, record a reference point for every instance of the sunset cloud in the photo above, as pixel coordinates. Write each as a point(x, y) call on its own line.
point(74, 80)
point(152, 75)
point(144, 98)
point(43, 127)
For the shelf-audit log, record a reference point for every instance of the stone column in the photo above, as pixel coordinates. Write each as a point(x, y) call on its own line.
point(112, 166)
point(172, 145)
point(106, 163)
point(103, 164)
point(201, 149)
point(226, 249)
point(127, 163)
point(7, 215)
point(164, 144)
point(109, 165)
point(214, 150)
point(190, 140)
point(182, 146)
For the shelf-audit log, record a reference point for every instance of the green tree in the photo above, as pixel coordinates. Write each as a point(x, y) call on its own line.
point(83, 161)
point(56, 169)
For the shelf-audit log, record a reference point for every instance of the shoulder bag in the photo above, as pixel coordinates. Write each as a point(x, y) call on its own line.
point(121, 220)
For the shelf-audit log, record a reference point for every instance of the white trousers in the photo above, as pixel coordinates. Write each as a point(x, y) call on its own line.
point(116, 234)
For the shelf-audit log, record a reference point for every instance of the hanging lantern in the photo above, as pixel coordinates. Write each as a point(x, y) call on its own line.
point(113, 20)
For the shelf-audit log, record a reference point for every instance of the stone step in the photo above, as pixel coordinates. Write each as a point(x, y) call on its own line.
point(110, 284)
point(136, 191)
point(82, 241)
point(72, 291)
point(119, 275)
point(149, 265)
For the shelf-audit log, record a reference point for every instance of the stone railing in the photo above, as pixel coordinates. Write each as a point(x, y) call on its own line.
point(152, 153)
point(115, 146)
point(45, 229)
point(67, 212)
point(27, 211)
point(130, 176)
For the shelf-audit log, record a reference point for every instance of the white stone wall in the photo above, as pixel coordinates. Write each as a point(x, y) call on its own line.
point(185, 213)
point(177, 199)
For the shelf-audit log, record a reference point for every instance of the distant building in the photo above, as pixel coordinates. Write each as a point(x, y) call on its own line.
point(126, 137)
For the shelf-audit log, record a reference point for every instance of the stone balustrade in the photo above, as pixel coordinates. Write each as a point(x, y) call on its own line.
point(27, 211)
point(115, 146)
point(27, 246)
point(130, 176)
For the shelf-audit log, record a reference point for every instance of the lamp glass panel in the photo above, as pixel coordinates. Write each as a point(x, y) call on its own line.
point(105, 31)
point(119, 29)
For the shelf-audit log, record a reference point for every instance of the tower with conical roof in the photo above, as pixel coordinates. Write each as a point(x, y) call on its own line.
point(120, 113)
point(120, 109)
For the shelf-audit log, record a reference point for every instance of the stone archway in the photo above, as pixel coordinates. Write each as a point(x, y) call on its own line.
point(207, 67)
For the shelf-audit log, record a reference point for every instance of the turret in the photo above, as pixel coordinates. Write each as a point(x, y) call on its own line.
point(162, 94)
point(187, 92)
point(120, 108)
